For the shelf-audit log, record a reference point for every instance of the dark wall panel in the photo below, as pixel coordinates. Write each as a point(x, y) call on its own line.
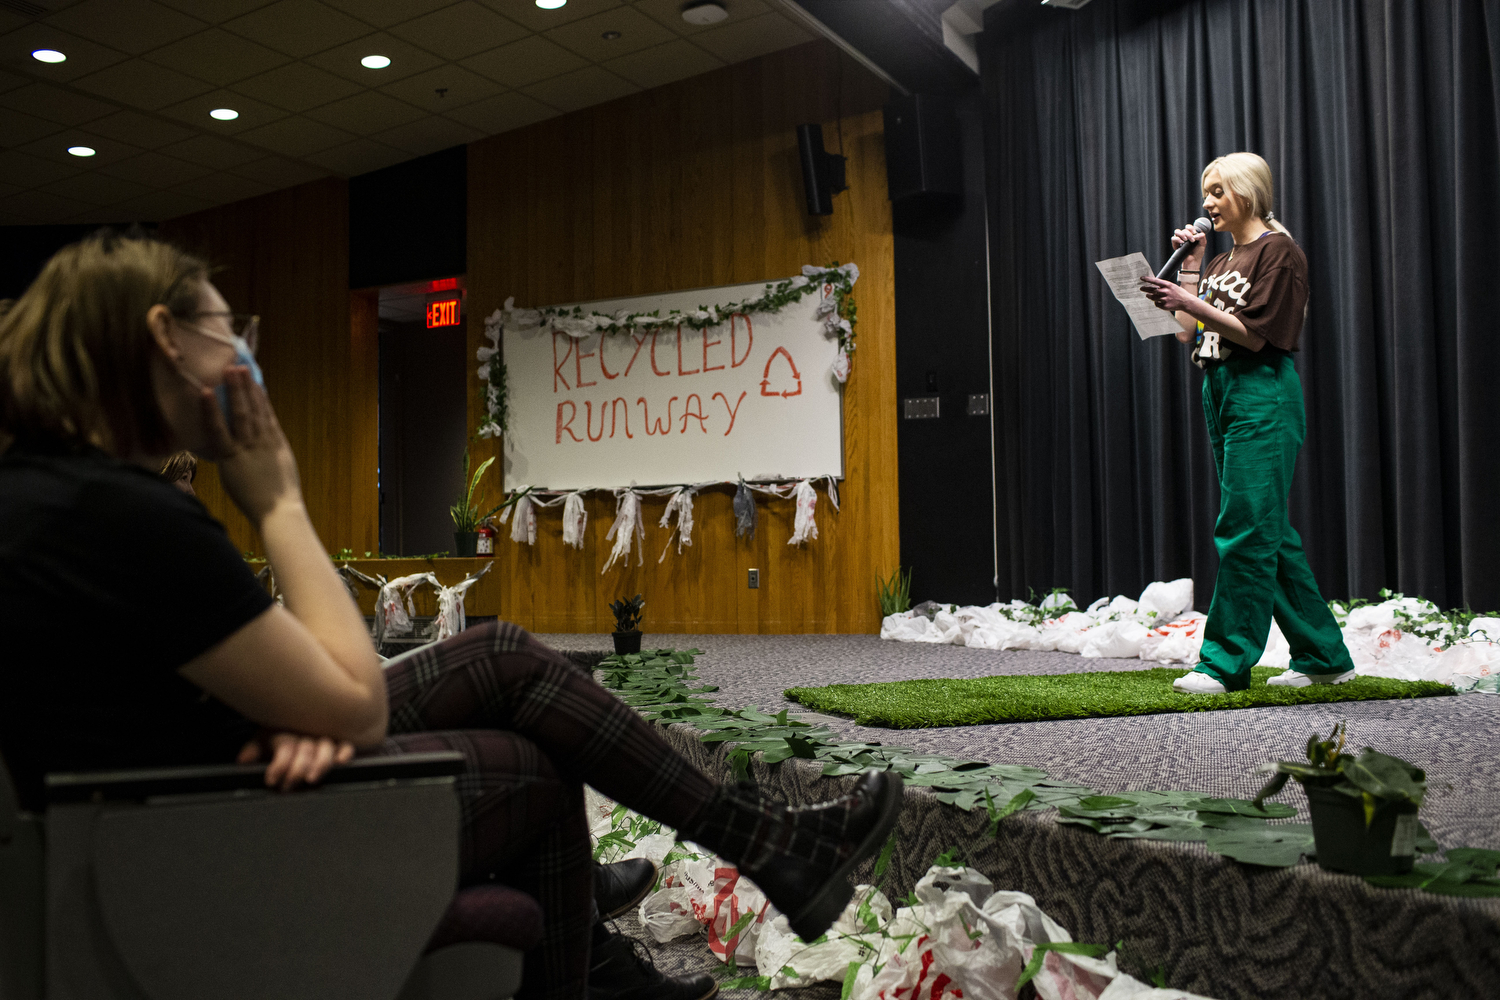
point(408, 222)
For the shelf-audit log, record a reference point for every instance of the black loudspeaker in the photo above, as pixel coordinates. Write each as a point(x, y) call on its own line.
point(922, 157)
point(822, 172)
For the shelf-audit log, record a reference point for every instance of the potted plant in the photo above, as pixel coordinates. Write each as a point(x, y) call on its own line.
point(627, 622)
point(1364, 809)
point(467, 514)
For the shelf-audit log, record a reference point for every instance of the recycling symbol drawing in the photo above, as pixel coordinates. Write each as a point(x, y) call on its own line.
point(782, 378)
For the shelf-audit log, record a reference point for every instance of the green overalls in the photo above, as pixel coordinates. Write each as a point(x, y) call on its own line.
point(1256, 424)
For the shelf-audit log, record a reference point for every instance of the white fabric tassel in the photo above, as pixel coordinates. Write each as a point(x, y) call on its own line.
point(804, 528)
point(523, 528)
point(682, 504)
point(575, 516)
point(833, 493)
point(393, 610)
point(627, 525)
point(450, 617)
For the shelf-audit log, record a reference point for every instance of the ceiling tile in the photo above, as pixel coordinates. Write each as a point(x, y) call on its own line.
point(280, 172)
point(526, 61)
point(537, 19)
point(147, 131)
point(366, 113)
point(159, 206)
point(18, 128)
point(55, 148)
point(217, 56)
point(405, 58)
point(384, 13)
point(502, 113)
point(428, 135)
point(669, 13)
point(212, 151)
point(142, 84)
point(155, 170)
point(676, 60)
point(296, 137)
point(10, 22)
point(55, 104)
point(94, 188)
point(735, 42)
point(84, 56)
point(133, 26)
point(10, 81)
point(26, 171)
point(359, 157)
point(298, 27)
point(216, 11)
point(296, 87)
point(40, 208)
point(253, 114)
point(219, 188)
point(585, 36)
point(460, 30)
point(581, 89)
point(458, 87)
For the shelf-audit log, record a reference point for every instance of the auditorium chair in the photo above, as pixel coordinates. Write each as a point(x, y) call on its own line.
point(187, 883)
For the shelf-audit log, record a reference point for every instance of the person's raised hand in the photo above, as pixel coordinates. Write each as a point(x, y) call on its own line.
point(255, 462)
point(1167, 295)
point(296, 759)
point(1194, 259)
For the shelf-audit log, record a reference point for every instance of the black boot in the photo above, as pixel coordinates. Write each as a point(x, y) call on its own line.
point(801, 856)
point(620, 968)
point(620, 887)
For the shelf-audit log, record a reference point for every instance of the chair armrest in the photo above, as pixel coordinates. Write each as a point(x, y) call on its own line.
point(143, 783)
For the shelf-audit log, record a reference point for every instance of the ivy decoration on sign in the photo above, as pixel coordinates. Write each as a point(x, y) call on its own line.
point(837, 311)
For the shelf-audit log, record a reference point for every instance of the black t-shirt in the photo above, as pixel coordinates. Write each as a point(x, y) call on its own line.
point(110, 580)
point(1264, 285)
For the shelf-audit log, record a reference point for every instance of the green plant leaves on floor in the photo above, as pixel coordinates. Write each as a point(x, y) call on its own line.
point(920, 704)
point(1469, 871)
point(1279, 846)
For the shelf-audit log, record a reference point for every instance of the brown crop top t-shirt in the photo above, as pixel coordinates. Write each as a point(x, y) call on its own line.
point(1265, 287)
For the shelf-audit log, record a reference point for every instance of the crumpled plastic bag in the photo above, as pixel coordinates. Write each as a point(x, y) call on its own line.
point(677, 908)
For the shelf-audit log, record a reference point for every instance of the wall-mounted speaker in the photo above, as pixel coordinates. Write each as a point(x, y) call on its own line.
point(922, 155)
point(822, 172)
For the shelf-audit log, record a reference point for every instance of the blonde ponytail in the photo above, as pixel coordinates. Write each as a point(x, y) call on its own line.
point(1249, 176)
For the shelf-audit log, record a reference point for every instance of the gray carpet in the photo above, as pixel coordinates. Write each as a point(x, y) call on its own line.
point(1456, 739)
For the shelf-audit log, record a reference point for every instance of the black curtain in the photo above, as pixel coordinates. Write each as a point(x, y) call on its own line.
point(1379, 120)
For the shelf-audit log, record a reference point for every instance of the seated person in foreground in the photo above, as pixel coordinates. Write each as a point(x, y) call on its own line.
point(122, 353)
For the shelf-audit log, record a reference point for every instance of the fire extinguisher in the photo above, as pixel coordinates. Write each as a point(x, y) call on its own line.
point(486, 541)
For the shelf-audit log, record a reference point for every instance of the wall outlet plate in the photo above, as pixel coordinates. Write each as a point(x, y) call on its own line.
point(755, 579)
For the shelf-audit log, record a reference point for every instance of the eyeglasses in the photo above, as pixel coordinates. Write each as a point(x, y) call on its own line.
point(242, 326)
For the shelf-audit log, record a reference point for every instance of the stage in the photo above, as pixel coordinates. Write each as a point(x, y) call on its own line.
point(1217, 927)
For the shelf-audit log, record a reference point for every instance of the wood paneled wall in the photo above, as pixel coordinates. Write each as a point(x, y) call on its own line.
point(690, 185)
point(285, 256)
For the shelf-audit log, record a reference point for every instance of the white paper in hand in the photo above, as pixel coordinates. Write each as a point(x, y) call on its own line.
point(1123, 275)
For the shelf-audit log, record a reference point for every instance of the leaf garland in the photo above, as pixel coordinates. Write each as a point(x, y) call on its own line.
point(661, 684)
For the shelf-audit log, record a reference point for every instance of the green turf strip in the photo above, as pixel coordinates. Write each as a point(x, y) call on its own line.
point(977, 701)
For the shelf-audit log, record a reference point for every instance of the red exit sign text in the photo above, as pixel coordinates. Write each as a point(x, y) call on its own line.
point(444, 313)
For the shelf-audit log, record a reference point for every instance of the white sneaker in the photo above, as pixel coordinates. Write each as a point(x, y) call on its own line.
point(1197, 682)
point(1297, 679)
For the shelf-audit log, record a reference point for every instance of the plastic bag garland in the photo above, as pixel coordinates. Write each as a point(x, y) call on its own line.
point(744, 512)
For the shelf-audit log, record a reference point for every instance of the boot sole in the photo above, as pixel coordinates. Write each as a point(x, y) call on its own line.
point(625, 908)
point(829, 901)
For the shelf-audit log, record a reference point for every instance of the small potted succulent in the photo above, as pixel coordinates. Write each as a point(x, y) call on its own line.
point(627, 624)
point(1364, 809)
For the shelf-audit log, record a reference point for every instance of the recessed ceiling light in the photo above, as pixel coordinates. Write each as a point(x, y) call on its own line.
point(48, 56)
point(707, 12)
point(550, 4)
point(610, 36)
point(224, 114)
point(82, 150)
point(375, 62)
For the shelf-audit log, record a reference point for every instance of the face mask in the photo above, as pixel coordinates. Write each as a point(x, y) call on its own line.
point(243, 355)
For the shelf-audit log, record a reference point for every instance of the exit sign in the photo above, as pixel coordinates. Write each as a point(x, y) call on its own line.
point(442, 313)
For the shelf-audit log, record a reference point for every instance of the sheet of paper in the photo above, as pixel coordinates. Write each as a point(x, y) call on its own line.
point(1123, 275)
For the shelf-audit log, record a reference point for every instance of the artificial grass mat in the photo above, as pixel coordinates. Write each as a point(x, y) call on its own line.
point(977, 701)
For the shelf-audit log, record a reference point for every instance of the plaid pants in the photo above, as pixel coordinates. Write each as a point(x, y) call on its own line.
point(534, 729)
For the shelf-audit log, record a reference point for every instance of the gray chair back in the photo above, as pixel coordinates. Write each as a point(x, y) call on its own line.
point(21, 889)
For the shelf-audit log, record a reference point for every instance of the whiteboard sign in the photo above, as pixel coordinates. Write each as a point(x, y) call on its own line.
point(752, 397)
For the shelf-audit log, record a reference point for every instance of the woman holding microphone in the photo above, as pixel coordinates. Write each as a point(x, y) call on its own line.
point(1243, 314)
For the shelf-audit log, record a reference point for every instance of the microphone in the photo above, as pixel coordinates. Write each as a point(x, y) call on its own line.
point(1203, 226)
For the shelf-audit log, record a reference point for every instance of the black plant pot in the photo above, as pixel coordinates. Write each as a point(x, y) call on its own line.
point(628, 642)
point(465, 543)
point(1345, 844)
